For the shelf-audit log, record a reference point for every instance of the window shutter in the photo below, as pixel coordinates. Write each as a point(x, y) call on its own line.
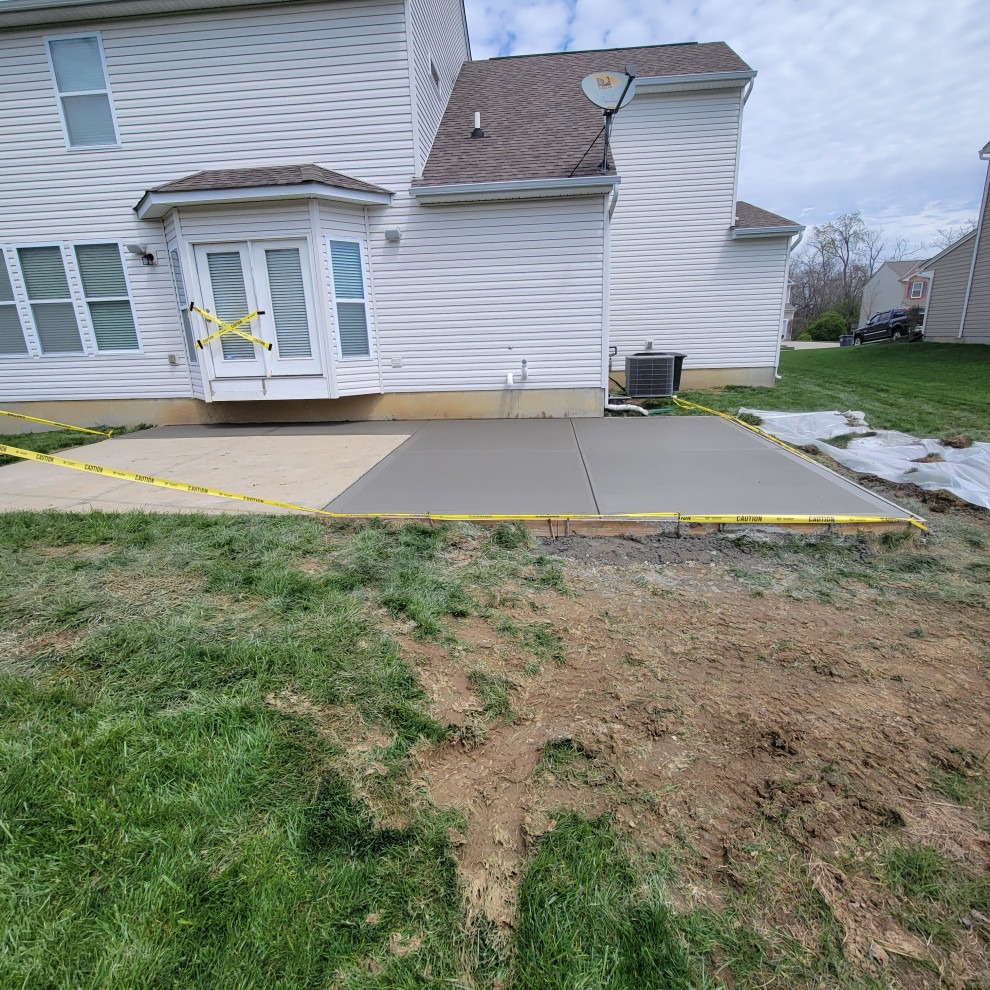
point(102, 273)
point(285, 284)
point(11, 333)
point(82, 88)
point(230, 300)
point(180, 295)
point(348, 283)
point(51, 304)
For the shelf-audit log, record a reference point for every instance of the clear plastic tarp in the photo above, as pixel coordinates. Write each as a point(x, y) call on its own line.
point(888, 454)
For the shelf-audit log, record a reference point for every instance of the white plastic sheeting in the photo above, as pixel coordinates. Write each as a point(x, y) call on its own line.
point(888, 454)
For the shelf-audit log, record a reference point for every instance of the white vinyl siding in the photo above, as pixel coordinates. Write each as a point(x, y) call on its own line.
point(52, 309)
point(350, 306)
point(230, 300)
point(473, 289)
point(438, 50)
point(79, 74)
point(677, 278)
point(288, 296)
point(196, 90)
point(105, 289)
point(12, 340)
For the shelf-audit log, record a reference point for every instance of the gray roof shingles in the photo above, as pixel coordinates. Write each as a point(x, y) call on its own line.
point(272, 175)
point(536, 120)
point(749, 217)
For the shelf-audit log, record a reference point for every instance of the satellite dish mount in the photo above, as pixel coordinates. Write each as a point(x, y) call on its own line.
point(611, 91)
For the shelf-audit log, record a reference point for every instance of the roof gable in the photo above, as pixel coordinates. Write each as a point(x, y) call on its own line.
point(537, 123)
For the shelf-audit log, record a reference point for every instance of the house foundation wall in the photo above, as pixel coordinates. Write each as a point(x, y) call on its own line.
point(502, 404)
point(692, 378)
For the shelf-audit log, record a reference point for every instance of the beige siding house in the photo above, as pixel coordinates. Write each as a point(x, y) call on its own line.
point(959, 307)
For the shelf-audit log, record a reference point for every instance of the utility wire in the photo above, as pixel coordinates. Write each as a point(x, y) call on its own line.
point(585, 155)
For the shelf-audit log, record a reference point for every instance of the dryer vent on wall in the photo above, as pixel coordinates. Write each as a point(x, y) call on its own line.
point(649, 375)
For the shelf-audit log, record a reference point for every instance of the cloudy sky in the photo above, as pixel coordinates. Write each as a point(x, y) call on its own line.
point(878, 106)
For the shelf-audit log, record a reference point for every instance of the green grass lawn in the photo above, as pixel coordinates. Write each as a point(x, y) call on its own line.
point(929, 390)
point(51, 441)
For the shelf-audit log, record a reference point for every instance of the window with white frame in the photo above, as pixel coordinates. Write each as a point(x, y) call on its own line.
point(917, 290)
point(104, 285)
point(52, 309)
point(80, 77)
point(65, 305)
point(180, 294)
point(350, 302)
point(12, 340)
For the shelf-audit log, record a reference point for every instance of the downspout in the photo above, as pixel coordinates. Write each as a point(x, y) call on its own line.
point(976, 248)
point(783, 301)
point(748, 90)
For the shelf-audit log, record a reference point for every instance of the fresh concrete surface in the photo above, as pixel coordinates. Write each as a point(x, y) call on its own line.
point(307, 465)
point(695, 465)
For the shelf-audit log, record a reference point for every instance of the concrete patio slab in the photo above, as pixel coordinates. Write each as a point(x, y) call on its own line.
point(694, 466)
point(306, 470)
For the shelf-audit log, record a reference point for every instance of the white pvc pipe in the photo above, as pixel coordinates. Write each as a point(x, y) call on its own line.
point(627, 408)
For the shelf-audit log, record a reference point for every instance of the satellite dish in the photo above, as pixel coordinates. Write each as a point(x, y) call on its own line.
point(605, 89)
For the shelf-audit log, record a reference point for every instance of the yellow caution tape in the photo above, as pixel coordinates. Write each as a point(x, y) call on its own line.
point(780, 443)
point(51, 422)
point(231, 327)
point(146, 479)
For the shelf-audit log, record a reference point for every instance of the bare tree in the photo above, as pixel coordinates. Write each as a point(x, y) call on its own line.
point(947, 236)
point(833, 265)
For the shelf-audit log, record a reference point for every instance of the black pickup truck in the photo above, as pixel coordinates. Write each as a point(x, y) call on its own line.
point(891, 324)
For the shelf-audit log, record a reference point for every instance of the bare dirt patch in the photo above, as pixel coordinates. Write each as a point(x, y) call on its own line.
point(702, 716)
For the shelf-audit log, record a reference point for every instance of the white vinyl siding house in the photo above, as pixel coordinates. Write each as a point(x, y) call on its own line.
point(276, 160)
point(678, 278)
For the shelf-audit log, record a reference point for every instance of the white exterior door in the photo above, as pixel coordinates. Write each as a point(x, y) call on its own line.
point(272, 276)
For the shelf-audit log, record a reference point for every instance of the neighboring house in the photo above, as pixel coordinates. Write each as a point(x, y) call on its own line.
point(959, 308)
point(894, 285)
point(316, 161)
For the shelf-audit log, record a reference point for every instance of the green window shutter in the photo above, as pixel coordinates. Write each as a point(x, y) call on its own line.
point(51, 304)
point(105, 289)
point(180, 295)
point(348, 285)
point(230, 300)
point(11, 332)
point(288, 294)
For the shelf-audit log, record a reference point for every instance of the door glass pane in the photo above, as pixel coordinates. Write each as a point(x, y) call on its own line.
point(345, 257)
point(352, 326)
point(78, 66)
point(230, 300)
point(88, 120)
point(285, 282)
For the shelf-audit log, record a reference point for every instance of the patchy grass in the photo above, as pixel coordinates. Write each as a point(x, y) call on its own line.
point(929, 390)
point(210, 735)
point(51, 441)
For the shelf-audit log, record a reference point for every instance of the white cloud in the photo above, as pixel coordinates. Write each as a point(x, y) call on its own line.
point(879, 107)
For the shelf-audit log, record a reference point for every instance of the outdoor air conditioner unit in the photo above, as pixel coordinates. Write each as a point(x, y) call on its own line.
point(649, 375)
